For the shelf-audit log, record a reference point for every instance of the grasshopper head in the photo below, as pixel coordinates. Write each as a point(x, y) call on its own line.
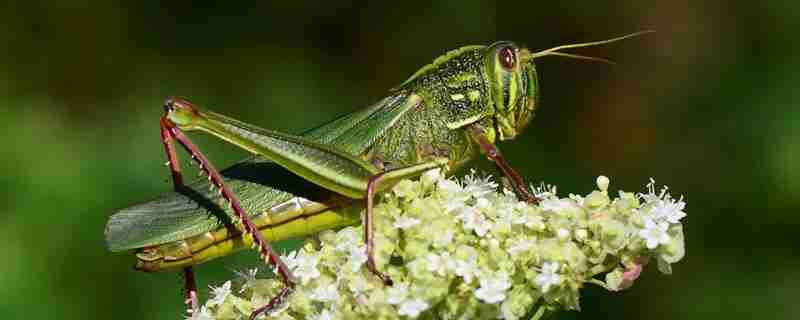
point(512, 78)
point(513, 85)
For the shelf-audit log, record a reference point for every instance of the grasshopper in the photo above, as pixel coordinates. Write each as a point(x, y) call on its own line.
point(444, 115)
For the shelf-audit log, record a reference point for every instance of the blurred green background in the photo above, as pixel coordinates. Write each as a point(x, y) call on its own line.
point(707, 105)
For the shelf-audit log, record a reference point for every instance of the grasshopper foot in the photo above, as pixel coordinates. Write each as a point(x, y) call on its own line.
point(534, 200)
point(384, 277)
point(273, 304)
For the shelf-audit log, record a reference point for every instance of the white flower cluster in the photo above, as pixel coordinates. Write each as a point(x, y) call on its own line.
point(461, 249)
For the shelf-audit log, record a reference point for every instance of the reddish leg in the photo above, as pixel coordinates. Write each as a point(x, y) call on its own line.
point(189, 283)
point(479, 135)
point(372, 188)
point(369, 230)
point(190, 291)
point(172, 157)
point(169, 132)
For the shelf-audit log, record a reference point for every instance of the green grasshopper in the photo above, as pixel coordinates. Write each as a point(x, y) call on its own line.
point(444, 115)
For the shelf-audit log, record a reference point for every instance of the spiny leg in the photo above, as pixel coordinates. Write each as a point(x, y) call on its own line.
point(264, 248)
point(493, 153)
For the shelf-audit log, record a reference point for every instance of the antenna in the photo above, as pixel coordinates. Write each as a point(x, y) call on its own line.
point(555, 50)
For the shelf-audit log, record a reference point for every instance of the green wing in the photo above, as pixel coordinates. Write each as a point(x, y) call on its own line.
point(258, 183)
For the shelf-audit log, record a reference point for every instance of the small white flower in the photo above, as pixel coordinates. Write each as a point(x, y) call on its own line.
point(439, 264)
point(358, 256)
point(324, 315)
point(454, 194)
point(522, 246)
point(555, 204)
point(404, 222)
point(474, 220)
point(507, 215)
point(443, 238)
point(466, 269)
point(203, 314)
point(412, 308)
point(432, 176)
point(669, 210)
point(358, 285)
point(651, 195)
point(405, 189)
point(454, 204)
point(531, 221)
point(478, 186)
point(449, 186)
point(544, 191)
point(482, 203)
point(548, 277)
point(581, 234)
point(220, 294)
point(397, 293)
point(506, 311)
point(654, 233)
point(249, 277)
point(562, 234)
point(493, 290)
point(577, 198)
point(346, 239)
point(325, 293)
point(602, 183)
point(303, 265)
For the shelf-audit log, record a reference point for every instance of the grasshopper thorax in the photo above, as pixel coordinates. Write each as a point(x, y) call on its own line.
point(513, 87)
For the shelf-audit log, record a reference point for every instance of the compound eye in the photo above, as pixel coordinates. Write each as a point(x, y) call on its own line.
point(507, 57)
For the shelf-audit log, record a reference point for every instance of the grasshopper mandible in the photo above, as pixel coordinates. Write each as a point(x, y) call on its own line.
point(444, 115)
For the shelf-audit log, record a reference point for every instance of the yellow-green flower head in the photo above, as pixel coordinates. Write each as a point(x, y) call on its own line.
point(464, 249)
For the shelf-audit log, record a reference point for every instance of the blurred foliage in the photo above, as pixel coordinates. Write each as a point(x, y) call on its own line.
point(708, 105)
